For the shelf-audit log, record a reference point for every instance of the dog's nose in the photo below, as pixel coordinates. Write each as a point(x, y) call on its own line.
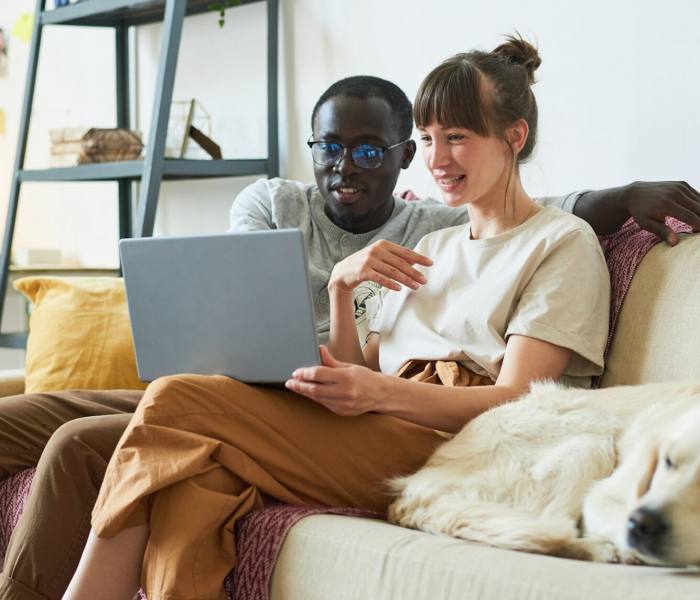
point(646, 529)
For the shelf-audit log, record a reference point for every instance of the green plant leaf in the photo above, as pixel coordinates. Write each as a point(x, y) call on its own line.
point(221, 7)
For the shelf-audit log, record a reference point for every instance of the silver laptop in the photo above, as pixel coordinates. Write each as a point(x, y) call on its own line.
point(235, 304)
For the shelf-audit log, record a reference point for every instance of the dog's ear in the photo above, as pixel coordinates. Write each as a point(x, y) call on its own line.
point(648, 470)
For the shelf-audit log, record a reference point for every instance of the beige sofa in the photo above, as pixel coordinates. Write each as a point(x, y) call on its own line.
point(342, 558)
point(330, 557)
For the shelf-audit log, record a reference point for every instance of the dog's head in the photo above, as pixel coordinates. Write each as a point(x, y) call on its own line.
point(664, 527)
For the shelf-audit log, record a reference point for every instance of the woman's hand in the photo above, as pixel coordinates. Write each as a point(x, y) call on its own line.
point(383, 262)
point(343, 388)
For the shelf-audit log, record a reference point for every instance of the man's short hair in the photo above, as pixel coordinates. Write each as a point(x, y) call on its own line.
point(365, 87)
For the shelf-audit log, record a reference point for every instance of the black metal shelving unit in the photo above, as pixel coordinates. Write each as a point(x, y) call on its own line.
point(154, 168)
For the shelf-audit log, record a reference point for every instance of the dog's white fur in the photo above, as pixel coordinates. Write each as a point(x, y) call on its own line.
point(560, 471)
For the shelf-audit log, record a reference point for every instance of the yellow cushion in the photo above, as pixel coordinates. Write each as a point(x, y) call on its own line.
point(79, 335)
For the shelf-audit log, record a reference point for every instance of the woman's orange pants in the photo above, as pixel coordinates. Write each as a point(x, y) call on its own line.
point(202, 451)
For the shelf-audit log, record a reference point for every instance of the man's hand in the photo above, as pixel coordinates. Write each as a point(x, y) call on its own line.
point(343, 388)
point(649, 203)
point(383, 262)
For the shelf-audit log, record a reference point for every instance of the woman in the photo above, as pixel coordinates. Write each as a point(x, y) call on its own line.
point(522, 294)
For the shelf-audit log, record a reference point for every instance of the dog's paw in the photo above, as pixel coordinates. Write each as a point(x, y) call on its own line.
point(405, 511)
point(603, 550)
point(606, 552)
point(398, 512)
point(593, 549)
point(417, 494)
point(629, 558)
point(417, 512)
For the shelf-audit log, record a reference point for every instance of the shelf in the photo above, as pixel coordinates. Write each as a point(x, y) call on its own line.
point(63, 270)
point(113, 13)
point(133, 169)
point(14, 340)
point(153, 168)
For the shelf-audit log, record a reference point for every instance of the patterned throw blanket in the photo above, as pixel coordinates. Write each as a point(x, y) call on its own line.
point(261, 533)
point(624, 251)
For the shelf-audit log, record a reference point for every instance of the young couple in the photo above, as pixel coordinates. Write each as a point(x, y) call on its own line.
point(483, 308)
point(519, 293)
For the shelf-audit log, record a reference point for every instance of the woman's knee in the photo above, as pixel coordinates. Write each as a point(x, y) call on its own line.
point(163, 386)
point(174, 395)
point(160, 392)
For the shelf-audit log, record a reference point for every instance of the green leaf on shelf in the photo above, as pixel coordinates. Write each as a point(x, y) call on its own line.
point(221, 7)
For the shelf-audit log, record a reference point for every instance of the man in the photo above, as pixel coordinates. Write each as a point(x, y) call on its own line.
point(361, 128)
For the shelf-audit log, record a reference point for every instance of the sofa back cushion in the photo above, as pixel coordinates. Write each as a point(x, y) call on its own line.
point(658, 331)
point(79, 335)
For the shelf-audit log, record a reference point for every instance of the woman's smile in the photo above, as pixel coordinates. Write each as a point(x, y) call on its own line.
point(451, 183)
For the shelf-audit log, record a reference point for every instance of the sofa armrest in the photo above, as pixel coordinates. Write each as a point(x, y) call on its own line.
point(11, 382)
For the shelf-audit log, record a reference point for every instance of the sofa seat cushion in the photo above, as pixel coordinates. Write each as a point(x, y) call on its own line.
point(348, 558)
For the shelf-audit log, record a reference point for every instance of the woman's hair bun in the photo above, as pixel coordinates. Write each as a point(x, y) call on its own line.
point(521, 52)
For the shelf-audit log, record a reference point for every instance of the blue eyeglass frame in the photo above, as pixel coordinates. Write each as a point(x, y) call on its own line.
point(384, 149)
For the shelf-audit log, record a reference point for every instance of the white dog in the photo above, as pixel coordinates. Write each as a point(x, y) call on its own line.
point(609, 475)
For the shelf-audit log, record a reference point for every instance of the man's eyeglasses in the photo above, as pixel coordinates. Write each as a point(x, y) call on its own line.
point(365, 156)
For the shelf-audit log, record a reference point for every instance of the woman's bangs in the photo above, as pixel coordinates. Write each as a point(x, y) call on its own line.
point(450, 96)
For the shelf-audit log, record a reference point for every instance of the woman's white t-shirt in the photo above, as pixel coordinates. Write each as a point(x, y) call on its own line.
point(545, 279)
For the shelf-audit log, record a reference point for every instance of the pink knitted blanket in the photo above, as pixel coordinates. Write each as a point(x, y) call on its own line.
point(13, 494)
point(624, 251)
point(260, 535)
point(259, 538)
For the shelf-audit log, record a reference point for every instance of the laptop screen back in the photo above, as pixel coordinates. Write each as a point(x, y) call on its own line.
point(235, 304)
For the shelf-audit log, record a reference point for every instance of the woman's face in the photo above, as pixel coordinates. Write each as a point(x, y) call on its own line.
point(466, 167)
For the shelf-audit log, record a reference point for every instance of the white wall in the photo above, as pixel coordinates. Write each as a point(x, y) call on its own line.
point(618, 95)
point(618, 89)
